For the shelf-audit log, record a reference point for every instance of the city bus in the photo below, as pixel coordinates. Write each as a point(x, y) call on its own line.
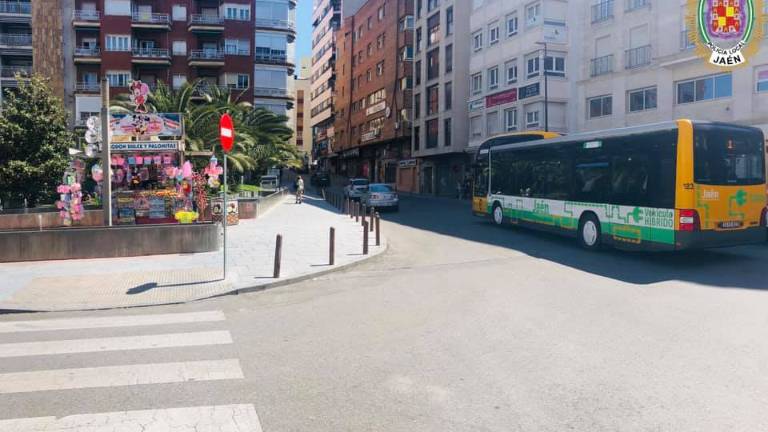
point(667, 186)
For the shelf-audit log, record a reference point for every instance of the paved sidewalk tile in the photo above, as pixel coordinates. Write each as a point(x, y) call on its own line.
point(162, 279)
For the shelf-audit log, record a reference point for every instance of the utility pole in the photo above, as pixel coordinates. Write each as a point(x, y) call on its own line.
point(106, 157)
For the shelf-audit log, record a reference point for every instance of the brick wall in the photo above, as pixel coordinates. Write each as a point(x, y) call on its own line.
point(47, 55)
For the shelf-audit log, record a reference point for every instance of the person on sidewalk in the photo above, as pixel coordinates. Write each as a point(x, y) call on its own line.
point(299, 190)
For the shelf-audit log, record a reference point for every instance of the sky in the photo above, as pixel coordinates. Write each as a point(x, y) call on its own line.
point(303, 30)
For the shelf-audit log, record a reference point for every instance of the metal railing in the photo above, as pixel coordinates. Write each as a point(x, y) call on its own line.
point(13, 71)
point(637, 4)
point(271, 57)
point(237, 51)
point(87, 87)
point(686, 42)
point(150, 18)
point(18, 39)
point(602, 65)
point(87, 52)
point(270, 91)
point(639, 56)
point(86, 15)
point(15, 7)
point(206, 19)
point(150, 52)
point(275, 23)
point(602, 11)
point(205, 54)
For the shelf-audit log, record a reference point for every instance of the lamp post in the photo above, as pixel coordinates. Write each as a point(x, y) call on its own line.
point(546, 87)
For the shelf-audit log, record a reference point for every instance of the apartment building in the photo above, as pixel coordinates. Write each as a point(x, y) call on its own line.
point(242, 45)
point(373, 92)
point(15, 42)
point(441, 91)
point(299, 117)
point(641, 66)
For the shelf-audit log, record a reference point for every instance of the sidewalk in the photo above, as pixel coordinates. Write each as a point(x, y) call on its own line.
point(165, 279)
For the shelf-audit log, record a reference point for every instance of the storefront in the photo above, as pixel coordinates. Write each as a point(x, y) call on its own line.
point(444, 175)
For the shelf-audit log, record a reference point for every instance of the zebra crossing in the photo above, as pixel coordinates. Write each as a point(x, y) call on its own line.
point(18, 343)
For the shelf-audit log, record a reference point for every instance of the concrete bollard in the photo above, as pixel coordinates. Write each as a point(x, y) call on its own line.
point(365, 238)
point(378, 230)
point(332, 247)
point(278, 255)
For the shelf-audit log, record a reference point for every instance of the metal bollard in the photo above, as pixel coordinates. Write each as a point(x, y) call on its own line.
point(364, 213)
point(278, 255)
point(378, 230)
point(365, 238)
point(373, 214)
point(332, 248)
point(357, 212)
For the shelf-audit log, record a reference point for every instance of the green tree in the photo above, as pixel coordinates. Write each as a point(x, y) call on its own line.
point(34, 143)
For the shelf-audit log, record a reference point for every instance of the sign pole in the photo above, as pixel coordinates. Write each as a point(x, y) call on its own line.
point(227, 138)
point(106, 157)
point(225, 213)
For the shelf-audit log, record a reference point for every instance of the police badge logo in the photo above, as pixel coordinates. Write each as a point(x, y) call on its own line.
point(727, 32)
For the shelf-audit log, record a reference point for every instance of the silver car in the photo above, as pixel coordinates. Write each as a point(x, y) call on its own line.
point(382, 196)
point(356, 188)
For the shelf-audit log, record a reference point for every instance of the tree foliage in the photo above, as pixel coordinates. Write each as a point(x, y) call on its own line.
point(34, 143)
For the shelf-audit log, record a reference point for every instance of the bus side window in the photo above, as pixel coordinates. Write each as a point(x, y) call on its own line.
point(592, 181)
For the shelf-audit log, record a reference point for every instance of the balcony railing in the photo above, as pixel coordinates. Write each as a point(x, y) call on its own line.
point(13, 71)
point(271, 57)
point(602, 65)
point(637, 4)
point(637, 57)
point(87, 52)
point(10, 39)
point(202, 19)
point(15, 7)
point(275, 23)
point(270, 91)
point(602, 11)
point(87, 87)
point(150, 18)
point(150, 52)
point(686, 40)
point(86, 15)
point(237, 51)
point(205, 54)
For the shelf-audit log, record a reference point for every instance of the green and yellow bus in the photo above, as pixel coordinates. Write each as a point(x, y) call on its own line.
point(667, 186)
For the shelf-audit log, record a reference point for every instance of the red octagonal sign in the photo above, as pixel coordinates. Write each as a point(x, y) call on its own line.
point(226, 132)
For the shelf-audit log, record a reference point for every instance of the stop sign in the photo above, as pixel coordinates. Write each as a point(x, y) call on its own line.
point(226, 132)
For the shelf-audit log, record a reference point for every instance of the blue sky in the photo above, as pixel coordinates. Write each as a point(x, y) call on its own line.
point(303, 30)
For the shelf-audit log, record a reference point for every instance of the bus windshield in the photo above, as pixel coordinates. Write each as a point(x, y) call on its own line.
point(728, 157)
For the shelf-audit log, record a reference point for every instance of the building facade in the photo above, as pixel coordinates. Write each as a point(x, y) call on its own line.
point(300, 120)
point(16, 41)
point(373, 91)
point(440, 95)
point(326, 19)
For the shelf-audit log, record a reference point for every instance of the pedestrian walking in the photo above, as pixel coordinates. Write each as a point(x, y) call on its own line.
point(299, 190)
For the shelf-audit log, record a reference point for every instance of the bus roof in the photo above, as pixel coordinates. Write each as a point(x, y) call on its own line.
point(515, 138)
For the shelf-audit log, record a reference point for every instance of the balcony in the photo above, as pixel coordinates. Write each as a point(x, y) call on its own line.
point(272, 92)
point(638, 57)
point(277, 58)
point(159, 56)
point(637, 4)
point(602, 11)
point(86, 19)
point(200, 23)
point(206, 58)
point(686, 40)
point(87, 87)
point(277, 24)
point(149, 20)
point(602, 65)
point(15, 11)
point(13, 73)
point(87, 55)
point(16, 40)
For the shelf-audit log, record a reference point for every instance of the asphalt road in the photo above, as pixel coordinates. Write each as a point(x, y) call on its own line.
point(460, 326)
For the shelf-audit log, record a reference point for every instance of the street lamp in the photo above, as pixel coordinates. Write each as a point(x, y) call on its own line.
point(546, 88)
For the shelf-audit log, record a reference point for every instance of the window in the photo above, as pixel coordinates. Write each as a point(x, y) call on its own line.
point(380, 41)
point(532, 119)
point(179, 13)
point(369, 50)
point(417, 72)
point(368, 75)
point(476, 127)
point(724, 157)
point(380, 69)
point(433, 99)
point(263, 10)
point(492, 123)
point(447, 132)
point(406, 23)
point(433, 64)
point(432, 133)
point(432, 4)
point(449, 21)
point(370, 23)
point(643, 99)
point(493, 78)
point(416, 138)
point(448, 58)
point(118, 43)
point(511, 71)
point(237, 46)
point(533, 14)
point(510, 119)
point(433, 29)
point(705, 88)
point(762, 79)
point(532, 66)
point(448, 96)
point(118, 79)
point(493, 33)
point(511, 24)
point(178, 81)
point(406, 83)
point(418, 40)
point(406, 53)
point(180, 48)
point(477, 40)
point(243, 81)
point(600, 106)
point(554, 65)
point(381, 13)
point(477, 83)
point(416, 106)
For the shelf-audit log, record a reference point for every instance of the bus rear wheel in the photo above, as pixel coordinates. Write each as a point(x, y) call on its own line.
point(589, 232)
point(498, 214)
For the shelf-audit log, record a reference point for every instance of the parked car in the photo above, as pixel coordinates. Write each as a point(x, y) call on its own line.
point(381, 196)
point(269, 183)
point(356, 188)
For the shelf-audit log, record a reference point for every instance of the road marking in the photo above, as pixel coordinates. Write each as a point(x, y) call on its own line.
point(115, 376)
point(230, 418)
point(110, 321)
point(172, 340)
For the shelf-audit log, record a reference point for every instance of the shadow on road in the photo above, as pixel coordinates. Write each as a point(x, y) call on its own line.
point(738, 267)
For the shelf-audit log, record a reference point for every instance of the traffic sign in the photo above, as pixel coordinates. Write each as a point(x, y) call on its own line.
point(226, 132)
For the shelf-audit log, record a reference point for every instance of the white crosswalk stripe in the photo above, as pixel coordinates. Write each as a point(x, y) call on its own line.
point(213, 417)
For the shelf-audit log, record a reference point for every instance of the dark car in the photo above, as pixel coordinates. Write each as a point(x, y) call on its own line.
point(320, 179)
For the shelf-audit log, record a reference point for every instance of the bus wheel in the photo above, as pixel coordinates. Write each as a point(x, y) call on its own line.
point(589, 232)
point(498, 214)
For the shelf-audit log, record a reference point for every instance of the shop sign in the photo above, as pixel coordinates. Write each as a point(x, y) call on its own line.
point(407, 163)
point(137, 146)
point(373, 109)
point(476, 105)
point(502, 98)
point(370, 135)
point(529, 91)
point(146, 125)
point(351, 153)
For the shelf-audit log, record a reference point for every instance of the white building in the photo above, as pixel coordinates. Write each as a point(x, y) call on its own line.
point(275, 24)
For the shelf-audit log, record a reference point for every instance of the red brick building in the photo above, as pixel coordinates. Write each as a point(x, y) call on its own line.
point(373, 91)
